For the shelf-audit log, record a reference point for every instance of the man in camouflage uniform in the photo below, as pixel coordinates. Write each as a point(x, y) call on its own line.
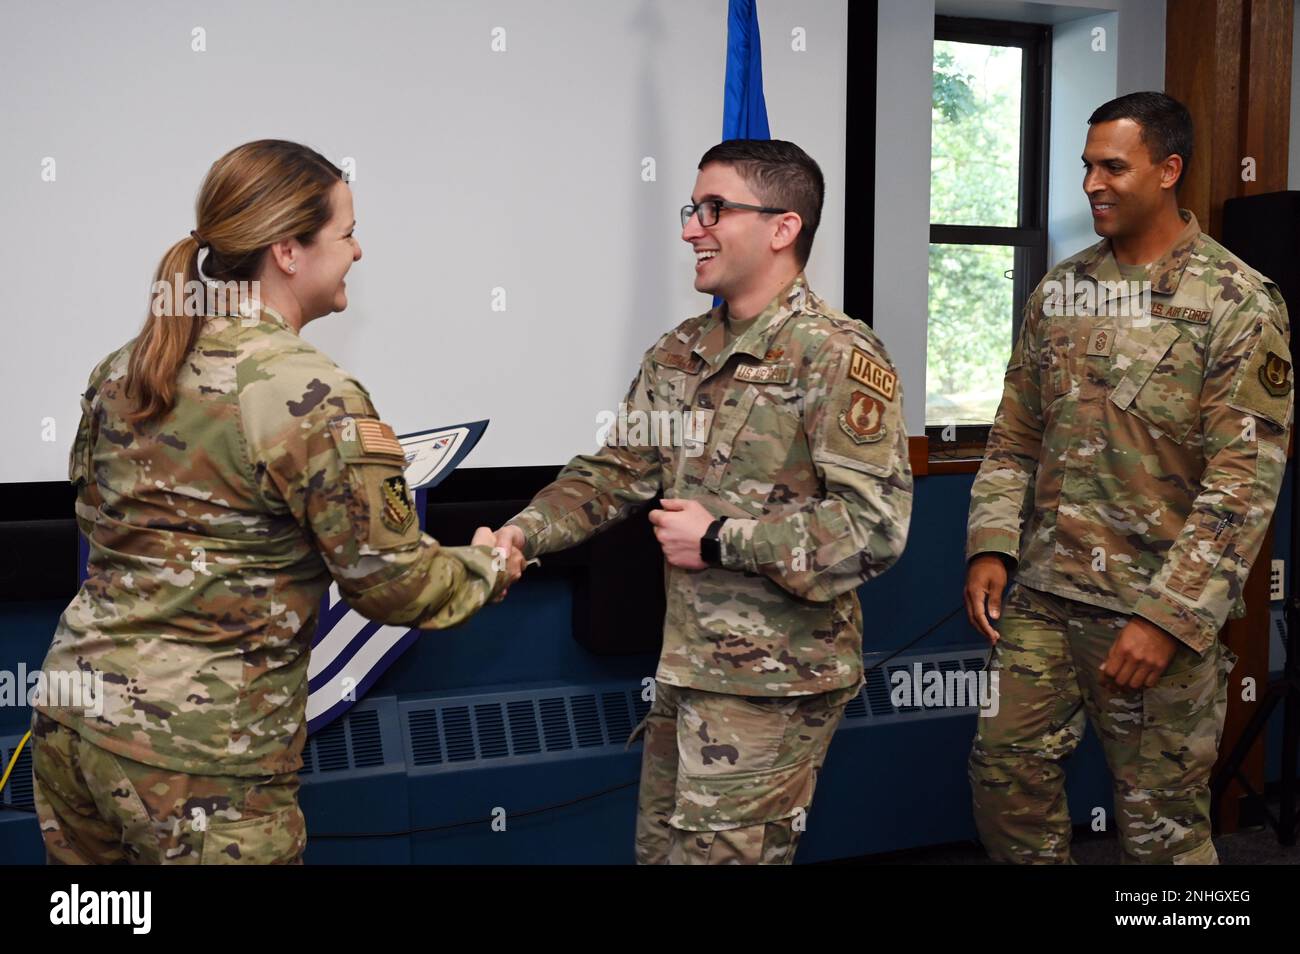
point(791, 487)
point(1130, 475)
point(214, 532)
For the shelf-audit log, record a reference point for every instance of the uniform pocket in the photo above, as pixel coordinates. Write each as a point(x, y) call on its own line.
point(754, 448)
point(1182, 719)
point(669, 389)
point(1212, 532)
point(1162, 382)
point(1054, 358)
point(275, 839)
point(727, 423)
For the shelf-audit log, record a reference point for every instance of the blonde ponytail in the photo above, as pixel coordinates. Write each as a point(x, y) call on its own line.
point(257, 194)
point(167, 336)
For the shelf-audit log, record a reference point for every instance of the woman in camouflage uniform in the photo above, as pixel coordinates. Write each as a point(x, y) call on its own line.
point(226, 471)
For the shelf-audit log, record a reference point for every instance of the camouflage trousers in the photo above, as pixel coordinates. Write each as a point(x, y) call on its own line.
point(95, 807)
point(1160, 743)
point(729, 779)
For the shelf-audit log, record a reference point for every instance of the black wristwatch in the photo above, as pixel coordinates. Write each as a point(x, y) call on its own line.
point(710, 545)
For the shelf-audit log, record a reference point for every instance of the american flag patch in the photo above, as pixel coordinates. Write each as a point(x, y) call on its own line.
point(378, 438)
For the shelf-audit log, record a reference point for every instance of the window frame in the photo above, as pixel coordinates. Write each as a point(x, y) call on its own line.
point(1029, 236)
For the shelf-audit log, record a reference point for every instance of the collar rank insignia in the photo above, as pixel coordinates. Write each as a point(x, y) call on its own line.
point(864, 419)
point(1275, 373)
point(398, 513)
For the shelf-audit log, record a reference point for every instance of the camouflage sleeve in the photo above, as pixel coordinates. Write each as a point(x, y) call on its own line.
point(81, 470)
point(1246, 411)
point(596, 490)
point(1004, 487)
point(319, 451)
point(853, 418)
point(79, 467)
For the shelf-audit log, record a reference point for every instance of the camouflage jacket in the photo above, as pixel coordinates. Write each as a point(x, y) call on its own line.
point(1137, 455)
point(793, 430)
point(215, 530)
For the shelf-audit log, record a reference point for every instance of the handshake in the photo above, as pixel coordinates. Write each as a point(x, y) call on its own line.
point(508, 553)
point(678, 528)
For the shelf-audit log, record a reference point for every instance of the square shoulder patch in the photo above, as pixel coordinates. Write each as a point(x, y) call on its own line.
point(1264, 381)
point(366, 438)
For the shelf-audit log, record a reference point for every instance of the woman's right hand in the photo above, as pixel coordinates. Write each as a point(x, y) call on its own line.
point(511, 556)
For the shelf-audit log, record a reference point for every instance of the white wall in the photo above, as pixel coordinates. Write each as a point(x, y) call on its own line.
point(904, 64)
point(474, 170)
point(1134, 61)
point(1082, 79)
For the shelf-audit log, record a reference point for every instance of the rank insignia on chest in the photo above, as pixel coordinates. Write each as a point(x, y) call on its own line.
point(1101, 341)
point(765, 373)
point(864, 419)
point(1275, 375)
point(879, 379)
point(398, 513)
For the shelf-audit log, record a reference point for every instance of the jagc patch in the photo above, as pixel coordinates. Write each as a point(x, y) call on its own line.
point(864, 419)
point(868, 372)
point(398, 514)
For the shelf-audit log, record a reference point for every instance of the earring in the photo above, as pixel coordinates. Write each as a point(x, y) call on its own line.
point(292, 267)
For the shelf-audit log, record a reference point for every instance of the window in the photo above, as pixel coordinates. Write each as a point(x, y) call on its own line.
point(988, 215)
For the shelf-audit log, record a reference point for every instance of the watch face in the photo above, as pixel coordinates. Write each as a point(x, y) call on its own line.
point(711, 546)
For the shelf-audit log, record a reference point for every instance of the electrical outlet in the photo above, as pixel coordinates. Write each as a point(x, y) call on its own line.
point(1275, 589)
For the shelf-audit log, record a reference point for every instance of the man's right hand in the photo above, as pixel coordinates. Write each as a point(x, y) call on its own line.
point(510, 536)
point(510, 539)
point(511, 558)
point(986, 579)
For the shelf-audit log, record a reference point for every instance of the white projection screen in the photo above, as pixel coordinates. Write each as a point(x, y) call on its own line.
point(522, 169)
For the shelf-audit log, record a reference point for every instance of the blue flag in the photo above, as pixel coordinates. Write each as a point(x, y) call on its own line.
point(744, 111)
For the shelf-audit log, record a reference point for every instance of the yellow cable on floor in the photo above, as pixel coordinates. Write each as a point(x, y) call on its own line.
point(14, 760)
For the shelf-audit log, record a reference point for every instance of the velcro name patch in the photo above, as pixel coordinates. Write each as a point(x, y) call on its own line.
point(765, 373)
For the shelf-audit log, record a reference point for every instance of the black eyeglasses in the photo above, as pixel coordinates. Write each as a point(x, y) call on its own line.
point(708, 210)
